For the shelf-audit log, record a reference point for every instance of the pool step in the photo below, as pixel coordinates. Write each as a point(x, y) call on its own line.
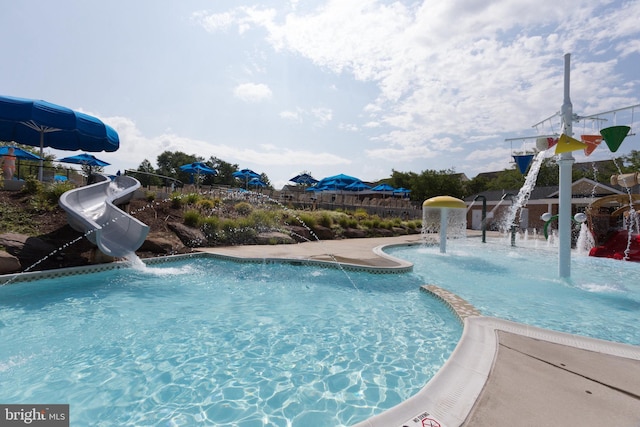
point(459, 306)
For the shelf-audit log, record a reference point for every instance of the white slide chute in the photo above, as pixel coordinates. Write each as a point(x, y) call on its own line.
point(93, 210)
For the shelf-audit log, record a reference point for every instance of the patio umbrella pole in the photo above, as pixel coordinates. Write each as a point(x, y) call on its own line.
point(40, 173)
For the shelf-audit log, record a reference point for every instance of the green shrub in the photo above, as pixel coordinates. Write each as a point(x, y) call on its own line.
point(176, 201)
point(361, 214)
point(367, 223)
point(32, 186)
point(150, 196)
point(206, 204)
point(53, 192)
point(307, 219)
point(192, 218)
point(192, 198)
point(243, 208)
point(344, 222)
point(325, 220)
point(264, 219)
point(210, 224)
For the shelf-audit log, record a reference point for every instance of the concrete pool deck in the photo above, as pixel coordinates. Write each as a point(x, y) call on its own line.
point(501, 373)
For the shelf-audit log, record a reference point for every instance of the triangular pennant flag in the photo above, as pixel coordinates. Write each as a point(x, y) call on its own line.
point(523, 161)
point(592, 142)
point(566, 144)
point(614, 136)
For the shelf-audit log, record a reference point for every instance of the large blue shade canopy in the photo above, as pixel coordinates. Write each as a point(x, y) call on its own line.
point(43, 124)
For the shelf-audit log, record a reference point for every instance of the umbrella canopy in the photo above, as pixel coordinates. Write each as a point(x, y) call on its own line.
point(43, 124)
point(383, 187)
point(19, 153)
point(304, 179)
point(337, 182)
point(401, 191)
point(257, 182)
point(357, 186)
point(198, 168)
point(246, 175)
point(84, 159)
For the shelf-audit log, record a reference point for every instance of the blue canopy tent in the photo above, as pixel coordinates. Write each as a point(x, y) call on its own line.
point(43, 124)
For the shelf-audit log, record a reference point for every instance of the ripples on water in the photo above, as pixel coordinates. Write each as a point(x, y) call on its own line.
point(213, 342)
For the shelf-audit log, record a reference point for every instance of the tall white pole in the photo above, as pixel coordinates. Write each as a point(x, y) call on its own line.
point(565, 166)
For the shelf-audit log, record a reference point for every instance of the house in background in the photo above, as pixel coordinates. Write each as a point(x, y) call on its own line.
point(541, 200)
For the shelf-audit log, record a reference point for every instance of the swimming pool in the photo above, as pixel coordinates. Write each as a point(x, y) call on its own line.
point(601, 299)
point(211, 342)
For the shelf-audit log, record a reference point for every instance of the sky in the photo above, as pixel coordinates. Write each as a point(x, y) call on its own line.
point(360, 87)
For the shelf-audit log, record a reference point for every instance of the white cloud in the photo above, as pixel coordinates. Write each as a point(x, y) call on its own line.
point(291, 115)
point(252, 92)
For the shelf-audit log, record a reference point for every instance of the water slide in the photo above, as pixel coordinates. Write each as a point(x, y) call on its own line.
point(93, 210)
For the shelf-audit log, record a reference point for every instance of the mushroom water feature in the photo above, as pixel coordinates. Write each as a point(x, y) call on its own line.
point(446, 216)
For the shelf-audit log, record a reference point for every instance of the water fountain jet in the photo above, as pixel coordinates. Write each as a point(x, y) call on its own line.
point(444, 215)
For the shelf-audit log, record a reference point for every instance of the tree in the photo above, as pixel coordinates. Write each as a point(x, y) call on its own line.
point(632, 161)
point(225, 172)
point(147, 180)
point(429, 183)
point(169, 164)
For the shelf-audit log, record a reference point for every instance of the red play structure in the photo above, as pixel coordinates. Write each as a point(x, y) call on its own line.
point(608, 220)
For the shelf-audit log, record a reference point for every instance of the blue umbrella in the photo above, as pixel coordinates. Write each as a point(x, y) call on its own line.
point(198, 168)
point(43, 124)
point(357, 186)
point(337, 182)
point(383, 187)
point(404, 192)
point(19, 153)
point(257, 182)
point(84, 159)
point(246, 175)
point(304, 179)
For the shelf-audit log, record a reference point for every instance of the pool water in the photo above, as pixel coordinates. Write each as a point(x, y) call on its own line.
point(601, 299)
point(211, 342)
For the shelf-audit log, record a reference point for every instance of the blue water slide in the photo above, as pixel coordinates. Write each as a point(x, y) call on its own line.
point(93, 210)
